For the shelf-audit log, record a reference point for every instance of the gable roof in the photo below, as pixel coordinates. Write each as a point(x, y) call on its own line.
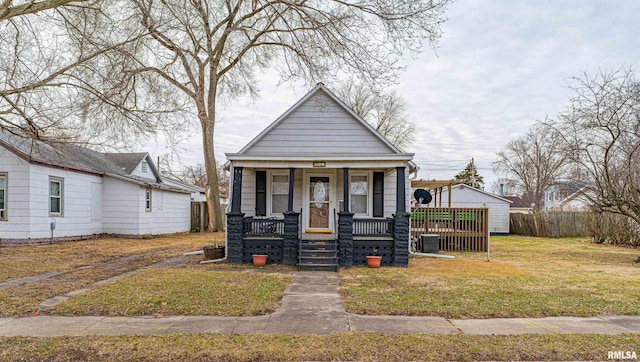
point(516, 201)
point(385, 147)
point(463, 186)
point(129, 161)
point(73, 157)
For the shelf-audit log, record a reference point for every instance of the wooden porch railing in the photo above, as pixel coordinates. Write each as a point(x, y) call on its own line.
point(373, 227)
point(267, 227)
point(460, 229)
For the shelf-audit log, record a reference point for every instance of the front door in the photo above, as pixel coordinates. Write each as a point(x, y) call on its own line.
point(319, 204)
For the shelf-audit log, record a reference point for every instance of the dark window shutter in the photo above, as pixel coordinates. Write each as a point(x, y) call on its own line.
point(378, 194)
point(261, 193)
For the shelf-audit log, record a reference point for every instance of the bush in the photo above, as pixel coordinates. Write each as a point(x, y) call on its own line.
point(615, 229)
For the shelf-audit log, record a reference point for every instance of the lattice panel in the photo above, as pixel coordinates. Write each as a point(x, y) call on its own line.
point(272, 248)
point(363, 248)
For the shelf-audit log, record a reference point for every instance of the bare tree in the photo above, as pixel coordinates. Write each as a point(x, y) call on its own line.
point(385, 111)
point(196, 175)
point(11, 8)
point(504, 186)
point(600, 134)
point(203, 52)
point(58, 84)
point(533, 162)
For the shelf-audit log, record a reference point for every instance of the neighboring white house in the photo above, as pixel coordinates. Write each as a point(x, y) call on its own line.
point(65, 191)
point(518, 206)
point(566, 196)
point(467, 196)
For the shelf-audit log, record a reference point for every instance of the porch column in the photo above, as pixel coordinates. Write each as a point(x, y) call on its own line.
point(345, 189)
point(345, 238)
point(236, 190)
point(401, 222)
point(401, 202)
point(292, 173)
point(291, 240)
point(235, 220)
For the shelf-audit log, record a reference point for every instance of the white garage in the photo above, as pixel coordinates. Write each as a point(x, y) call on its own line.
point(467, 196)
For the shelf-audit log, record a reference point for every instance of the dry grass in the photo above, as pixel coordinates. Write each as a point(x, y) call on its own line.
point(340, 346)
point(105, 258)
point(527, 277)
point(180, 291)
point(22, 261)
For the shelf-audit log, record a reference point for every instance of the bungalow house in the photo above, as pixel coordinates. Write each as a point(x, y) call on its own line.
point(60, 191)
point(318, 188)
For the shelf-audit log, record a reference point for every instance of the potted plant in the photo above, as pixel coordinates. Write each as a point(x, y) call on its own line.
point(259, 259)
point(373, 261)
point(213, 251)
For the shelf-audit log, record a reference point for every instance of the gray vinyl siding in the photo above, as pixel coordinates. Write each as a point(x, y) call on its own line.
point(326, 129)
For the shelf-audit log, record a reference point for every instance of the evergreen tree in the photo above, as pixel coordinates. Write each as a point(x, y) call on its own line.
point(469, 176)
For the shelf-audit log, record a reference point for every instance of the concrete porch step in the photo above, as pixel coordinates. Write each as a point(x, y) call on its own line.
point(318, 267)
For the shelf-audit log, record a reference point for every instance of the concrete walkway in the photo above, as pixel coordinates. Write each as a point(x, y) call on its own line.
point(311, 305)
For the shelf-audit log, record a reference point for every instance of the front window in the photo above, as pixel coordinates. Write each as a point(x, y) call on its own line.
point(147, 200)
point(279, 193)
point(360, 194)
point(56, 190)
point(3, 196)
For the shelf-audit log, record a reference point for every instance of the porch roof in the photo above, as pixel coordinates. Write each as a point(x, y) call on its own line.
point(328, 160)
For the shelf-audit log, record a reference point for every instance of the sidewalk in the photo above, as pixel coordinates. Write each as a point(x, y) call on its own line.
point(311, 305)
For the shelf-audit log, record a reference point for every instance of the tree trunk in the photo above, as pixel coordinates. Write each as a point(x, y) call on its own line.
point(212, 190)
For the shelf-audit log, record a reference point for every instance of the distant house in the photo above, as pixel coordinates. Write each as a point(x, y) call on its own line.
point(63, 191)
point(566, 196)
point(319, 177)
point(467, 196)
point(518, 206)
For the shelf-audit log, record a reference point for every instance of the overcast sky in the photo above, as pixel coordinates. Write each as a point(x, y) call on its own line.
point(501, 66)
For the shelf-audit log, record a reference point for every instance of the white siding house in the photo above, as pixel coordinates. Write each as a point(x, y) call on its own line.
point(467, 196)
point(68, 192)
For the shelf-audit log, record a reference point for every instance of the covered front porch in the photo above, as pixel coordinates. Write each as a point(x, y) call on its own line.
point(319, 217)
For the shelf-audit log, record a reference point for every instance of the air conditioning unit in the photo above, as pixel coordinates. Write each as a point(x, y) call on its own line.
point(430, 243)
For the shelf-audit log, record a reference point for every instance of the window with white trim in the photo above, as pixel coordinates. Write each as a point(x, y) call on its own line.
point(279, 193)
point(56, 196)
point(359, 194)
point(3, 197)
point(147, 199)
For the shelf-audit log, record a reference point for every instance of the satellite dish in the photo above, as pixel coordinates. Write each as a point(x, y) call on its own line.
point(422, 196)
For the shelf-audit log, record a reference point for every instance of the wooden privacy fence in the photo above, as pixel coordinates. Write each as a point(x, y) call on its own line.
point(556, 224)
point(460, 229)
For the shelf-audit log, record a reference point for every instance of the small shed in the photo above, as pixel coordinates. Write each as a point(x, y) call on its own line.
point(467, 196)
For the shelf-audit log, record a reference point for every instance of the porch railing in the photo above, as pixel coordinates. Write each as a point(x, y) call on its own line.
point(268, 227)
point(459, 228)
point(373, 227)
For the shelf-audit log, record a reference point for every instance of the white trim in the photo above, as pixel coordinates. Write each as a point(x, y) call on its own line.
point(60, 181)
point(149, 192)
point(369, 175)
point(308, 165)
point(320, 157)
point(306, 175)
point(270, 174)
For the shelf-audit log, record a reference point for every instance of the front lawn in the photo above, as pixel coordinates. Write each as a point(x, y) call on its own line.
point(527, 277)
point(183, 291)
point(22, 261)
point(334, 347)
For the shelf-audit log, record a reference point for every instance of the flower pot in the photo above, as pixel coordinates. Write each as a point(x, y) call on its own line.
point(213, 252)
point(374, 261)
point(259, 260)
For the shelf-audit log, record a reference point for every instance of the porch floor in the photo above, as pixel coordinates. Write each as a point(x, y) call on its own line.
point(319, 236)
